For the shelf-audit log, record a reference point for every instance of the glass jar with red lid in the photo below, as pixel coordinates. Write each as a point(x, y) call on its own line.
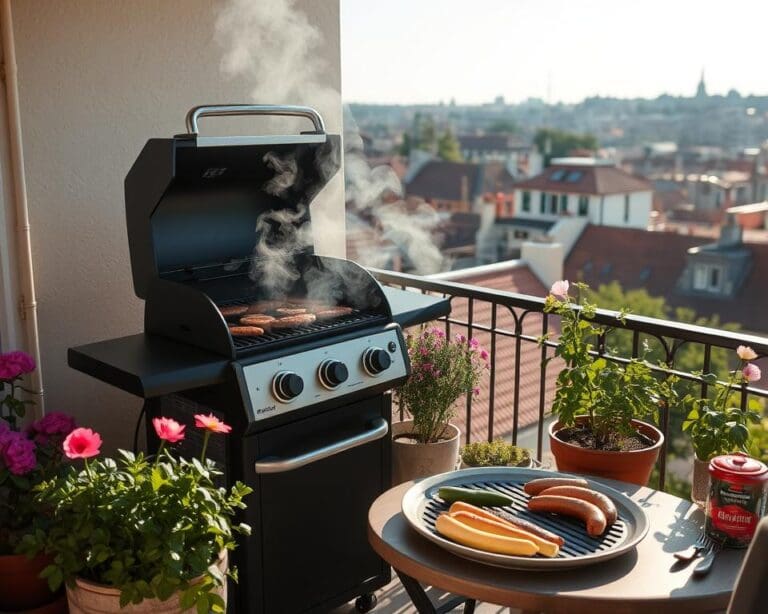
point(737, 498)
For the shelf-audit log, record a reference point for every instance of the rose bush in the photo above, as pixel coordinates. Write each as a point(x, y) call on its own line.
point(28, 456)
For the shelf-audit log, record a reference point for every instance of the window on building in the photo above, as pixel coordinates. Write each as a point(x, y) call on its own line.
point(553, 204)
point(557, 175)
point(526, 201)
point(707, 277)
point(583, 206)
point(542, 203)
point(574, 176)
point(521, 234)
point(626, 208)
point(563, 203)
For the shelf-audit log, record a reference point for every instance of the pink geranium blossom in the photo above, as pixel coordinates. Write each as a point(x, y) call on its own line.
point(18, 453)
point(14, 364)
point(211, 423)
point(559, 289)
point(82, 443)
point(751, 372)
point(168, 429)
point(746, 353)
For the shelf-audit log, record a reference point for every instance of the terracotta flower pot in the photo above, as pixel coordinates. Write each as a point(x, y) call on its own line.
point(20, 585)
point(700, 484)
point(91, 598)
point(634, 466)
point(412, 460)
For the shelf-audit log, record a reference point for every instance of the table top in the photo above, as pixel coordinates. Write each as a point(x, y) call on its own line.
point(647, 577)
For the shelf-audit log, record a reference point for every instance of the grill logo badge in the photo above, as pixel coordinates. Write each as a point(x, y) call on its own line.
point(265, 410)
point(210, 173)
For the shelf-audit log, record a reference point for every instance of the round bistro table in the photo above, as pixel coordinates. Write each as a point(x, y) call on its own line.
point(648, 579)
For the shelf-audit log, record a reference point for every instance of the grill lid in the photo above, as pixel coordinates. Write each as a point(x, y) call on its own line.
point(193, 202)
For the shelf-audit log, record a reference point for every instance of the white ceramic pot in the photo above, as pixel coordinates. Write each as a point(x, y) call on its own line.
point(700, 484)
point(412, 460)
point(92, 598)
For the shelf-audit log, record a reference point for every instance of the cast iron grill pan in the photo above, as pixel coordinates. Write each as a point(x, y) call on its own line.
point(422, 505)
point(577, 542)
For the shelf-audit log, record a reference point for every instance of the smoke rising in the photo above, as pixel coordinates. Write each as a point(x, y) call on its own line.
point(272, 45)
point(282, 234)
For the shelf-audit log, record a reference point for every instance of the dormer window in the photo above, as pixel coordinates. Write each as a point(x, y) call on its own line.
point(707, 277)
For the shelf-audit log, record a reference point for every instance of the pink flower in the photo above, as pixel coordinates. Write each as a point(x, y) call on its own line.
point(746, 353)
point(212, 423)
point(82, 443)
point(438, 333)
point(6, 434)
point(18, 453)
point(14, 364)
point(751, 372)
point(474, 343)
point(560, 289)
point(484, 355)
point(476, 391)
point(461, 338)
point(54, 423)
point(168, 429)
point(437, 373)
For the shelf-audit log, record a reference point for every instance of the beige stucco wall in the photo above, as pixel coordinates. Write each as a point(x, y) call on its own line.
point(97, 79)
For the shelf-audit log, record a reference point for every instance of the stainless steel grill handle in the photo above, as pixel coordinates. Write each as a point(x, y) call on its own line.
point(196, 113)
point(281, 465)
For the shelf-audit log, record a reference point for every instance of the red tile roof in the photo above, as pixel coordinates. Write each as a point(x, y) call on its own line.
point(655, 261)
point(593, 180)
point(519, 280)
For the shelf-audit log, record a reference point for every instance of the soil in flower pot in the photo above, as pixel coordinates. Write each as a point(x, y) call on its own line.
point(21, 588)
point(412, 460)
point(628, 459)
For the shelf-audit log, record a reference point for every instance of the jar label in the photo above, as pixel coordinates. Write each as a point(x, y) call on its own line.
point(733, 511)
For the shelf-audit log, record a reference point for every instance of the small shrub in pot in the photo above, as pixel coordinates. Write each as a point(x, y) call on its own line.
point(497, 453)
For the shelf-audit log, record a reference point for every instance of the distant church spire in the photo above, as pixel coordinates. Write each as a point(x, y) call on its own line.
point(701, 90)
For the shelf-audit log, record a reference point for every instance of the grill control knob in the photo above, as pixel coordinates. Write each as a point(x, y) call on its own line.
point(376, 360)
point(332, 373)
point(286, 386)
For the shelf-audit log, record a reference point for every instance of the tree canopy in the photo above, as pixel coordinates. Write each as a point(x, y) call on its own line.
point(554, 143)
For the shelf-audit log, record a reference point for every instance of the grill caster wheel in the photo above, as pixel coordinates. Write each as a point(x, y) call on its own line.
point(365, 603)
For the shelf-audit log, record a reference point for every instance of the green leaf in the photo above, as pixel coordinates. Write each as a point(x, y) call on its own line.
point(157, 479)
point(739, 434)
point(202, 604)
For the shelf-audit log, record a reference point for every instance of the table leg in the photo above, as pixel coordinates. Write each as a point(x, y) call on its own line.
point(423, 603)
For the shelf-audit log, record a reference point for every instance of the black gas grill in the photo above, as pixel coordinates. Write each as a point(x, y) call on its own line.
point(209, 221)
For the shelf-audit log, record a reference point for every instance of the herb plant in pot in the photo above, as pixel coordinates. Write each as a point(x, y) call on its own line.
point(599, 402)
point(140, 534)
point(443, 371)
point(28, 456)
point(717, 426)
point(497, 453)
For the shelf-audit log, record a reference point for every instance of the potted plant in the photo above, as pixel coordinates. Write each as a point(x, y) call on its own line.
point(599, 402)
point(716, 425)
point(443, 371)
point(497, 453)
point(140, 534)
point(27, 457)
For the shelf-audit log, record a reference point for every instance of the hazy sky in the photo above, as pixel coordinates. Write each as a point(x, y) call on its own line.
point(473, 50)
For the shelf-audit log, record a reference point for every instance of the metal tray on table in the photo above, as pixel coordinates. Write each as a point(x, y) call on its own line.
point(421, 506)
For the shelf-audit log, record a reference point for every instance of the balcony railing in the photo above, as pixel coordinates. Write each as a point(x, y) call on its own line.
point(511, 325)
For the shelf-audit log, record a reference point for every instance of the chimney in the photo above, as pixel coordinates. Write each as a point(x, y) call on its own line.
point(730, 232)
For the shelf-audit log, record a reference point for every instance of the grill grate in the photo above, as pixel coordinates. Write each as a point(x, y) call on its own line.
point(577, 542)
point(309, 332)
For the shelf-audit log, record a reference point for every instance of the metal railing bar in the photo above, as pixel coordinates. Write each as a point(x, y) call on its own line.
point(492, 366)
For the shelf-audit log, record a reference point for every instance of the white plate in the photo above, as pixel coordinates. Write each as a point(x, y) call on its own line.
point(420, 506)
